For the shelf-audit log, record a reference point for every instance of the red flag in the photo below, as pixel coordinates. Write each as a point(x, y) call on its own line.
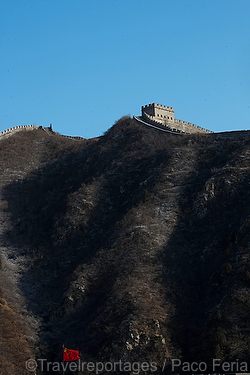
point(70, 355)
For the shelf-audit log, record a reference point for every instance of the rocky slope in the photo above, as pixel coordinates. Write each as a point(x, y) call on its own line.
point(131, 247)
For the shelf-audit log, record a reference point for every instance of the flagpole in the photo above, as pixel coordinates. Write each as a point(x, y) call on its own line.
point(63, 366)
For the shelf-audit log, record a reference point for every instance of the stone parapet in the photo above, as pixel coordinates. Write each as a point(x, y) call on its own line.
point(157, 126)
point(15, 129)
point(161, 115)
point(188, 127)
point(48, 130)
point(69, 136)
point(151, 120)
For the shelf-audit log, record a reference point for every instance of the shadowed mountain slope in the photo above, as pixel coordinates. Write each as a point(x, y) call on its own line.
point(129, 247)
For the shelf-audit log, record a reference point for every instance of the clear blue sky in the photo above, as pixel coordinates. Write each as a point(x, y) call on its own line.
point(83, 64)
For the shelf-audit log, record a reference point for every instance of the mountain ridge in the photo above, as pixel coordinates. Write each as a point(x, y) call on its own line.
point(132, 246)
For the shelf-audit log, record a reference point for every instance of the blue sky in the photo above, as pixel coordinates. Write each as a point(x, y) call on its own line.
point(83, 64)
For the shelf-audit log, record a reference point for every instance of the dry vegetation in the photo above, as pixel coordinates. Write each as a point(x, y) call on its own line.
point(133, 246)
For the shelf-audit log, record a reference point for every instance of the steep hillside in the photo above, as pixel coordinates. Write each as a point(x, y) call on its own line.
point(131, 247)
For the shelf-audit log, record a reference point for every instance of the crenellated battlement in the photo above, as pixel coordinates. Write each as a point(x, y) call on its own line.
point(164, 115)
point(159, 111)
point(48, 130)
point(188, 127)
point(17, 128)
point(160, 106)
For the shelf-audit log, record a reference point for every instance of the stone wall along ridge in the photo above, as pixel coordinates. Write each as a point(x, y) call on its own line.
point(151, 120)
point(15, 129)
point(69, 136)
point(188, 127)
point(48, 130)
point(157, 126)
point(157, 114)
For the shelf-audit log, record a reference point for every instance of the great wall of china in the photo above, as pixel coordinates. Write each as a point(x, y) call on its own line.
point(15, 129)
point(155, 115)
point(48, 130)
point(163, 117)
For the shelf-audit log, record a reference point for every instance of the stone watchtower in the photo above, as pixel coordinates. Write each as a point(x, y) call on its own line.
point(160, 113)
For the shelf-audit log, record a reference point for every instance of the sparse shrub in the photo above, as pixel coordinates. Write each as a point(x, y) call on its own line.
point(145, 196)
point(218, 352)
point(219, 316)
point(229, 268)
point(220, 342)
point(220, 338)
point(228, 252)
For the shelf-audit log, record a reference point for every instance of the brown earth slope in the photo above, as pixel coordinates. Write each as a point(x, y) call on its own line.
point(131, 247)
